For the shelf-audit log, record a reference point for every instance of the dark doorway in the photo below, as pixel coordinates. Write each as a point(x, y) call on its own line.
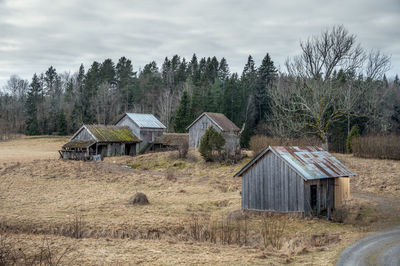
point(313, 195)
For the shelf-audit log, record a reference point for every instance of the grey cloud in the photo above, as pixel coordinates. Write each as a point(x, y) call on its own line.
point(35, 35)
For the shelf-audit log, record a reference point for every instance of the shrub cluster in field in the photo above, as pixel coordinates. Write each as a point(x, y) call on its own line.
point(381, 147)
point(11, 253)
point(237, 230)
point(260, 142)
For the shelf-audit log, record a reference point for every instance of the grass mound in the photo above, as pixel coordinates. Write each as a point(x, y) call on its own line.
point(139, 199)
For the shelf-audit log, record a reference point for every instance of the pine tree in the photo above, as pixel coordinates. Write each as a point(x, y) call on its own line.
point(183, 117)
point(32, 126)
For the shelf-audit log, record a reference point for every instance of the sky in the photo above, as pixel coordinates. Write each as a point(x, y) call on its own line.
point(35, 35)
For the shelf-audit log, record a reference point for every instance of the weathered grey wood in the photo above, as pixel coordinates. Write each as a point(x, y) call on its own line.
point(147, 135)
point(272, 185)
point(197, 130)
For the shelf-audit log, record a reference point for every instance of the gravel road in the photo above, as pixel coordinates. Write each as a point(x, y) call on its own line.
point(378, 249)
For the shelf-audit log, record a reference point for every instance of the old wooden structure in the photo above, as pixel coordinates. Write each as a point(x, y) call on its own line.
point(92, 140)
point(146, 126)
point(306, 180)
point(221, 123)
point(171, 141)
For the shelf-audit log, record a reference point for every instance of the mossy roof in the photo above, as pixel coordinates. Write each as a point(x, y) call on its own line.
point(78, 144)
point(112, 133)
point(173, 139)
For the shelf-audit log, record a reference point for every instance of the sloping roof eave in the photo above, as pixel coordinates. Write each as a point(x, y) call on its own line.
point(290, 164)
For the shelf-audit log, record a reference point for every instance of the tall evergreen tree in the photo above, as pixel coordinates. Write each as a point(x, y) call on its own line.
point(183, 117)
point(265, 79)
point(32, 126)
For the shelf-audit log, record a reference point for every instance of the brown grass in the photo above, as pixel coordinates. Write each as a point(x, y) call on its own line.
point(84, 204)
point(260, 142)
point(379, 177)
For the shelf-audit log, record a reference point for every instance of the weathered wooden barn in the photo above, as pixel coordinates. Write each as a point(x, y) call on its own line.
point(221, 123)
point(307, 180)
point(106, 141)
point(146, 126)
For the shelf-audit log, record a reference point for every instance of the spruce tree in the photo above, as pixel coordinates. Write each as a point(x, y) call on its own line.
point(182, 118)
point(61, 124)
point(32, 126)
point(266, 75)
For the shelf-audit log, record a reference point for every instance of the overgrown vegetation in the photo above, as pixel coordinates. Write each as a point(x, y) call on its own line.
point(14, 254)
point(381, 147)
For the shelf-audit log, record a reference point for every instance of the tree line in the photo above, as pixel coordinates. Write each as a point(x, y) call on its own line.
point(332, 85)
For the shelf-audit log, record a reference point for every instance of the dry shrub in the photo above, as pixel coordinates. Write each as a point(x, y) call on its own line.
point(272, 230)
point(139, 199)
point(183, 149)
point(260, 142)
point(222, 231)
point(14, 254)
point(77, 226)
point(381, 147)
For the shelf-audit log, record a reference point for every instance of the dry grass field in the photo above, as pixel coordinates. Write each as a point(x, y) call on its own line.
point(82, 209)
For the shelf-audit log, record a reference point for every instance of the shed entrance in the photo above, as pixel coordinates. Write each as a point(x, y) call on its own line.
point(313, 194)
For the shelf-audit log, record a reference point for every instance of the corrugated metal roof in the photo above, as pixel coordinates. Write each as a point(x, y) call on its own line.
point(112, 133)
point(220, 120)
point(310, 162)
point(145, 120)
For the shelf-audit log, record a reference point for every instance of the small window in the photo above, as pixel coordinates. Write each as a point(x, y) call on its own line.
point(204, 125)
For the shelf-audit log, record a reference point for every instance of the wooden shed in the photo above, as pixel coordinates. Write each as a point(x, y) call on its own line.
point(221, 123)
point(101, 140)
point(306, 180)
point(146, 126)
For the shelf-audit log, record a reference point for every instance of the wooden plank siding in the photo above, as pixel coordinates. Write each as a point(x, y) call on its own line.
point(272, 185)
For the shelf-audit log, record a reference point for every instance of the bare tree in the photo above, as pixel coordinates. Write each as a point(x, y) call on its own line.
point(310, 101)
point(377, 64)
point(323, 54)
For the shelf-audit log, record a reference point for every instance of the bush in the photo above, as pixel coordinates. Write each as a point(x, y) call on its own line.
point(381, 147)
point(260, 142)
point(354, 132)
point(211, 144)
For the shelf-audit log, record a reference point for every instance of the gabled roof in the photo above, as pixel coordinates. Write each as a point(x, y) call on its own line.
point(310, 162)
point(101, 133)
point(145, 120)
point(220, 121)
point(78, 144)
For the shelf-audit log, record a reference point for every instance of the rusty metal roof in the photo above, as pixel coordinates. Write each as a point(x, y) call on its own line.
point(220, 120)
point(310, 162)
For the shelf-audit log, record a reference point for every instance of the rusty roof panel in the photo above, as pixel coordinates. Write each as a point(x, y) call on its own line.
point(313, 162)
point(310, 162)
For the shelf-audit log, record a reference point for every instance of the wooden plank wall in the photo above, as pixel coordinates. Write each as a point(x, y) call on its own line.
point(271, 185)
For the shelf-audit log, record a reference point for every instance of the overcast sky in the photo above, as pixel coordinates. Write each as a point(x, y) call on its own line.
point(64, 34)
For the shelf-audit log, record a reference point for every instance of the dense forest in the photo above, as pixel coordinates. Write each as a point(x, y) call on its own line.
point(331, 86)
